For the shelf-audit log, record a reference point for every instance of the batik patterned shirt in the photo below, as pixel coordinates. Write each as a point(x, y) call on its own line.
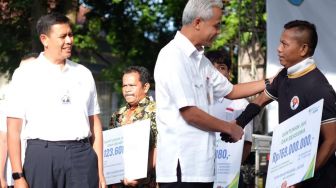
point(126, 115)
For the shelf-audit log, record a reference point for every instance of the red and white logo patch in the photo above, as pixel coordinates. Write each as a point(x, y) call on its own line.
point(294, 103)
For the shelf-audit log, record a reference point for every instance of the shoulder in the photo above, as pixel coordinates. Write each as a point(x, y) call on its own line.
point(280, 75)
point(120, 110)
point(151, 107)
point(78, 67)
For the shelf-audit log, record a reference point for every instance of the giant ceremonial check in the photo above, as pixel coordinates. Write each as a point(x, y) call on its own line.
point(294, 147)
point(228, 155)
point(126, 152)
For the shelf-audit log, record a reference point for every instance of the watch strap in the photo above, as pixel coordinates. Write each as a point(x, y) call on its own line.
point(17, 175)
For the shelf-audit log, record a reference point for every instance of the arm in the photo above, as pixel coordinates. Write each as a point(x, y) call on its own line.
point(97, 144)
point(14, 126)
point(253, 109)
point(246, 150)
point(152, 159)
point(249, 113)
point(201, 120)
point(328, 146)
point(3, 157)
point(243, 90)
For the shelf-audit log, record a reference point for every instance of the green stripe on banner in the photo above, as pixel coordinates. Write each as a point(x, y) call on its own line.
point(310, 171)
point(235, 181)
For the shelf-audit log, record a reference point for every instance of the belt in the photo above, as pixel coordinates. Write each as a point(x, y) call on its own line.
point(62, 142)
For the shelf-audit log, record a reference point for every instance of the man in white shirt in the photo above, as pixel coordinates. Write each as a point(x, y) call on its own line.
point(186, 85)
point(58, 100)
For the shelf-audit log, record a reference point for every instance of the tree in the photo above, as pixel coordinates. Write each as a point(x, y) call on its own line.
point(17, 24)
point(244, 33)
point(119, 33)
point(129, 32)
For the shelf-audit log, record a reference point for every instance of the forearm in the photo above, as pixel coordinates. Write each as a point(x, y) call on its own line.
point(324, 153)
point(328, 146)
point(244, 90)
point(97, 140)
point(202, 120)
point(246, 150)
point(152, 159)
point(253, 109)
point(3, 154)
point(14, 143)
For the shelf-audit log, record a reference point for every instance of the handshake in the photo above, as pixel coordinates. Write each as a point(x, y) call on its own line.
point(243, 119)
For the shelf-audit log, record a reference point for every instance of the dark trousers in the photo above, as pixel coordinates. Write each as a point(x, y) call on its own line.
point(180, 184)
point(61, 164)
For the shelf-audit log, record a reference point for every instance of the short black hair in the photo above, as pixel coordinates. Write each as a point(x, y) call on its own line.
point(143, 72)
point(29, 55)
point(219, 57)
point(45, 22)
point(309, 28)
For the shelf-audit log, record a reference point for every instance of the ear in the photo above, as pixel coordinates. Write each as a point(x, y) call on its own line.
point(196, 23)
point(146, 87)
point(304, 50)
point(44, 40)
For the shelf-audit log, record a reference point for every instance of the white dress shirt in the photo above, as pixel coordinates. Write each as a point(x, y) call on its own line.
point(185, 77)
point(55, 102)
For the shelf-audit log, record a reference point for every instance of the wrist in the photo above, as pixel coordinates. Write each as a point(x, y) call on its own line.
point(267, 82)
point(17, 175)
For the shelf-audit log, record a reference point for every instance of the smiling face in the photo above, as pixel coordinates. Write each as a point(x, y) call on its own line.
point(290, 50)
point(58, 42)
point(210, 29)
point(132, 88)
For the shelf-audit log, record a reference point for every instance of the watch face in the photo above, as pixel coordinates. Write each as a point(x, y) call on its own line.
point(17, 175)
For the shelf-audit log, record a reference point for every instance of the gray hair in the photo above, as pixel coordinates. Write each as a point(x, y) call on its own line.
point(199, 8)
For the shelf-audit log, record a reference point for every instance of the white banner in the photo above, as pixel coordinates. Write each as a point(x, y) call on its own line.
point(322, 14)
point(294, 148)
point(228, 155)
point(126, 152)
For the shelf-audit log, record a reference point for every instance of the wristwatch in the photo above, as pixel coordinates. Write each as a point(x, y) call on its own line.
point(17, 175)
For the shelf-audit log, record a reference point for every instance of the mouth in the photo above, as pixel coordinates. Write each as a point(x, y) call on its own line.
point(67, 49)
point(129, 95)
point(280, 58)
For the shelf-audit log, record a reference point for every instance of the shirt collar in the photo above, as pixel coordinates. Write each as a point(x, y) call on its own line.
point(301, 68)
point(186, 46)
point(50, 64)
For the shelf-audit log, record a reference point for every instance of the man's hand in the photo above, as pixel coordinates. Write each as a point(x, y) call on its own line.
point(236, 133)
point(102, 182)
point(21, 183)
point(131, 183)
point(284, 185)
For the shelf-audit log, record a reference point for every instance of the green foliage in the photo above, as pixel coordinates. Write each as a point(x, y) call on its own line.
point(15, 38)
point(130, 32)
point(119, 33)
point(244, 25)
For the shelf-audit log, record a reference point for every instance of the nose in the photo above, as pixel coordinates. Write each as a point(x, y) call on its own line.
point(69, 39)
point(127, 89)
point(279, 49)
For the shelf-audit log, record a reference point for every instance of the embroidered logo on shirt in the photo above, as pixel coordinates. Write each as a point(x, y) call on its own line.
point(294, 103)
point(66, 99)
